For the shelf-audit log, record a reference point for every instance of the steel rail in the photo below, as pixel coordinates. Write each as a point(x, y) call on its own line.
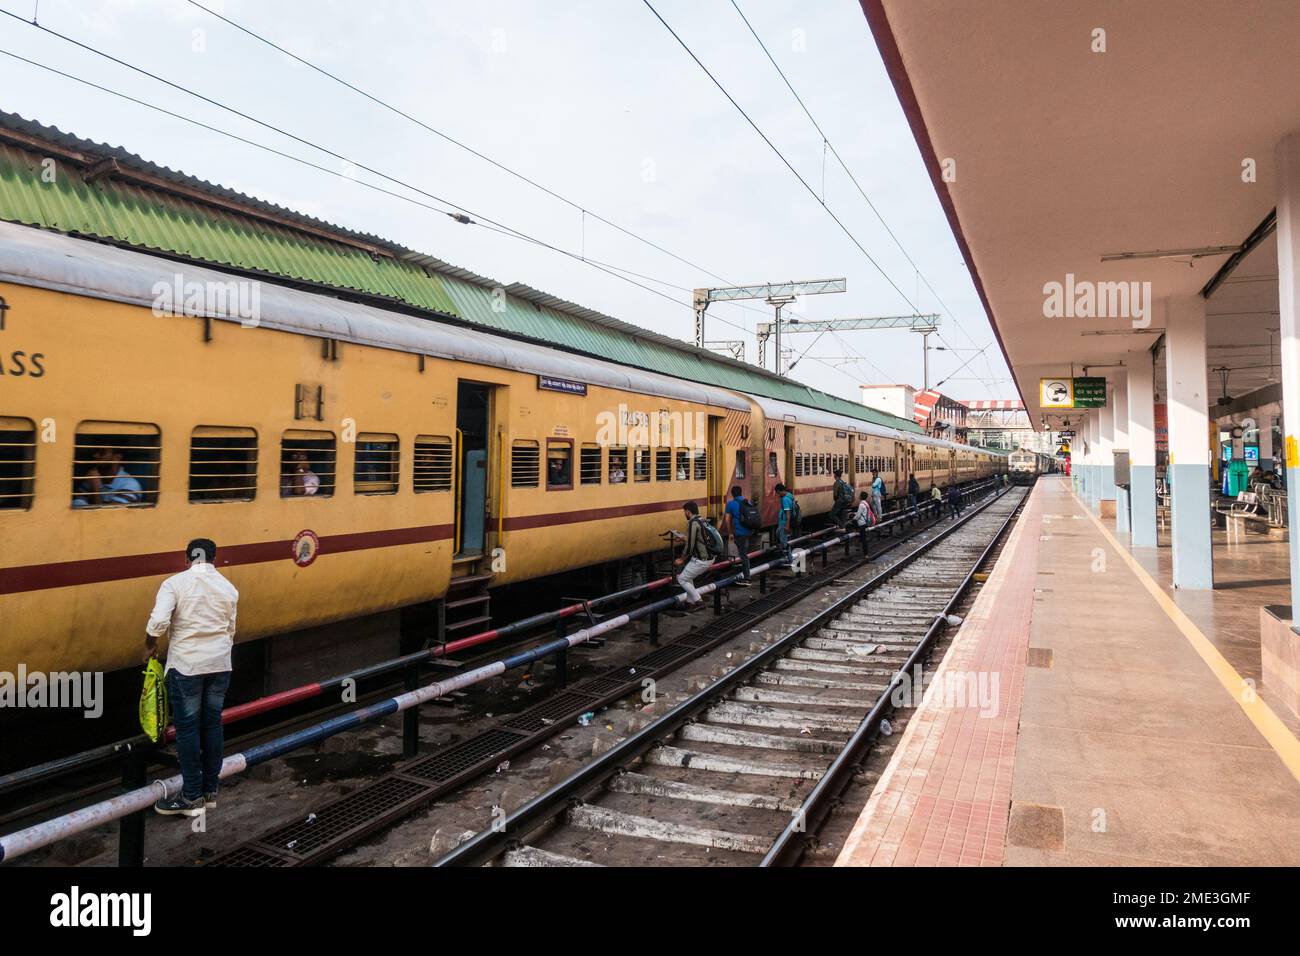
point(789, 846)
point(490, 843)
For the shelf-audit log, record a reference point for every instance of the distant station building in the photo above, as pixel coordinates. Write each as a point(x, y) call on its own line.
point(938, 414)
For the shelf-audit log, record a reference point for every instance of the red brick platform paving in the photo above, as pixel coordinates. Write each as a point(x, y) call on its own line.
point(945, 797)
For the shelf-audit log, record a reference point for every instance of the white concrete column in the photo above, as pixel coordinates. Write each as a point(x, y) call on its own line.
point(1119, 395)
point(1094, 459)
point(1106, 448)
point(1265, 421)
point(1189, 440)
point(1142, 448)
point(1288, 287)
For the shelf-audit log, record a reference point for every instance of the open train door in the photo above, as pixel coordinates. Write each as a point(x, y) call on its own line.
point(717, 468)
point(902, 468)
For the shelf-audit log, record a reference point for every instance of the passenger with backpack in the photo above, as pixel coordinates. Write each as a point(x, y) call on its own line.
point(742, 521)
point(913, 492)
point(787, 518)
point(841, 499)
point(703, 546)
point(878, 495)
point(864, 518)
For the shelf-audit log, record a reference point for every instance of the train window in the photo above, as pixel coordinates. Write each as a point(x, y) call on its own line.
point(683, 465)
point(771, 465)
point(559, 464)
point(376, 464)
point(223, 464)
point(664, 464)
point(307, 464)
point(432, 464)
point(618, 465)
point(798, 465)
point(115, 464)
point(589, 465)
point(525, 464)
point(17, 463)
point(740, 464)
point(640, 464)
point(700, 464)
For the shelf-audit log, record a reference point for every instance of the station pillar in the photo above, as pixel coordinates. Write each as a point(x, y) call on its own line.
point(1142, 448)
point(1288, 277)
point(1119, 395)
point(1189, 443)
point(1094, 468)
point(1106, 451)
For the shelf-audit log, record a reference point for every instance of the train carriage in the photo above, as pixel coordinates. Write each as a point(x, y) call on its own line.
point(348, 459)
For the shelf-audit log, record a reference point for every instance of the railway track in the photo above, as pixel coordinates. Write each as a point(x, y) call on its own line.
point(743, 772)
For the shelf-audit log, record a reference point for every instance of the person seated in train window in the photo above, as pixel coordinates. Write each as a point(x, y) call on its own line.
point(107, 482)
point(557, 472)
point(913, 491)
point(683, 474)
point(299, 479)
point(618, 466)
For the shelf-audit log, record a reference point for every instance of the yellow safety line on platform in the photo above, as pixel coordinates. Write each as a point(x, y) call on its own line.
point(1278, 735)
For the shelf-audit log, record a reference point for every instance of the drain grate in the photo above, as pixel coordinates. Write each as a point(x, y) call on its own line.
point(249, 855)
point(460, 757)
point(549, 711)
point(340, 818)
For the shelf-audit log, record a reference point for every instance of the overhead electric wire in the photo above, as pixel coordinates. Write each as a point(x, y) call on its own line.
point(827, 144)
point(812, 192)
point(453, 141)
point(477, 218)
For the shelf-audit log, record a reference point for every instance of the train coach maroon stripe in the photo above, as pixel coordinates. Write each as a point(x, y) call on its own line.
point(524, 522)
point(62, 574)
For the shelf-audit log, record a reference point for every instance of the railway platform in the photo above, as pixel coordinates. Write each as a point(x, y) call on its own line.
point(1131, 726)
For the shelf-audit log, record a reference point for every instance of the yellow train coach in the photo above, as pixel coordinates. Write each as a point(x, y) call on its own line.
point(347, 459)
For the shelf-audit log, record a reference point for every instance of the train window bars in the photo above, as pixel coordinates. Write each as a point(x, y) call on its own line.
point(700, 464)
point(589, 472)
point(115, 465)
point(17, 463)
point(640, 464)
point(740, 463)
point(618, 465)
point(771, 465)
point(663, 464)
point(223, 464)
point(525, 464)
point(683, 464)
point(375, 464)
point(432, 464)
point(798, 465)
point(308, 464)
point(559, 464)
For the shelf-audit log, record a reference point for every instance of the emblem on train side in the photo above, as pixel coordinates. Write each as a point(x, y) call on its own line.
point(305, 548)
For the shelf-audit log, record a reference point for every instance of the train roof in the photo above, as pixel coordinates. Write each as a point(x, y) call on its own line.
point(47, 260)
point(774, 409)
point(112, 195)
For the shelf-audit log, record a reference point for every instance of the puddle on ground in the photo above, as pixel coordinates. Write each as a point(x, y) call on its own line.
point(311, 769)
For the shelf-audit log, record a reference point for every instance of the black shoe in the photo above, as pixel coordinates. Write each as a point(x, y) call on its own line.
point(178, 806)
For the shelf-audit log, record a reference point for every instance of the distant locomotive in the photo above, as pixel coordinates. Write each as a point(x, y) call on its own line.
point(1025, 466)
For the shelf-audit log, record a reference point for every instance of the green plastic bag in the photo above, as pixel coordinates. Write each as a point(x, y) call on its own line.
point(153, 701)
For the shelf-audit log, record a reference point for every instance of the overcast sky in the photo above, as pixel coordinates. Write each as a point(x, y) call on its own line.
point(594, 100)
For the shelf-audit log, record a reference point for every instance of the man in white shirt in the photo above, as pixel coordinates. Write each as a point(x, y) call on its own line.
point(197, 608)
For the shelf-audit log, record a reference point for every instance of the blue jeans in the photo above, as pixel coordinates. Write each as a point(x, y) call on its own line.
point(783, 539)
point(742, 548)
point(196, 704)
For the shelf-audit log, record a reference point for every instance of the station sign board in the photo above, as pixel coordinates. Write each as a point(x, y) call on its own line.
point(1068, 392)
point(561, 385)
point(1090, 393)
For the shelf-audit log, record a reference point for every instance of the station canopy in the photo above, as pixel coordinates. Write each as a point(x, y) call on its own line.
point(1074, 134)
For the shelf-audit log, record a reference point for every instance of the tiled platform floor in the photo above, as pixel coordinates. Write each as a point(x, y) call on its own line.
point(1120, 746)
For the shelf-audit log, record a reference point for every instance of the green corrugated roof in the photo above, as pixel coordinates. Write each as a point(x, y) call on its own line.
point(142, 205)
